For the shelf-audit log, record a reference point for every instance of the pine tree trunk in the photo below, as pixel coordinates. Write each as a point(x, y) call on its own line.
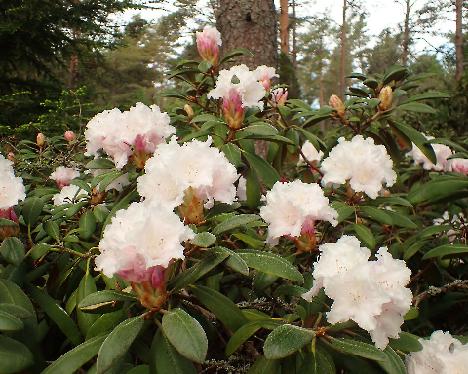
point(406, 35)
point(458, 40)
point(284, 26)
point(249, 24)
point(294, 36)
point(343, 50)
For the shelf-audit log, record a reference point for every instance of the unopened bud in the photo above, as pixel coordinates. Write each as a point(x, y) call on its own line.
point(188, 109)
point(208, 42)
point(386, 98)
point(233, 110)
point(336, 103)
point(40, 139)
point(11, 156)
point(69, 136)
point(279, 96)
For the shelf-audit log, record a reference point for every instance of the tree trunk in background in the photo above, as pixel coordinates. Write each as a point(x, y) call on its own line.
point(343, 50)
point(458, 40)
point(406, 34)
point(284, 26)
point(294, 28)
point(249, 24)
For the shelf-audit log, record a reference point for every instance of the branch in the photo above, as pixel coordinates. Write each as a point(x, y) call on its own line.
point(433, 291)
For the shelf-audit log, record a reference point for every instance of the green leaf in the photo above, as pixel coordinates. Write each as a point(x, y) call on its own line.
point(235, 53)
point(32, 208)
point(74, 359)
point(204, 118)
point(57, 314)
point(118, 342)
point(234, 222)
point(395, 73)
point(86, 287)
point(253, 190)
point(379, 215)
point(344, 211)
point(417, 138)
point(264, 366)
point(406, 342)
point(203, 239)
point(446, 250)
point(106, 323)
point(356, 348)
point(165, 359)
point(435, 190)
point(108, 300)
point(6, 222)
point(271, 263)
point(9, 322)
point(246, 331)
point(11, 293)
point(12, 250)
point(16, 310)
point(197, 271)
point(232, 153)
point(87, 225)
point(224, 309)
point(52, 229)
point(185, 334)
point(393, 364)
point(100, 163)
point(235, 262)
point(417, 107)
point(14, 356)
point(263, 169)
point(428, 95)
point(364, 235)
point(285, 340)
point(82, 184)
point(254, 129)
point(318, 362)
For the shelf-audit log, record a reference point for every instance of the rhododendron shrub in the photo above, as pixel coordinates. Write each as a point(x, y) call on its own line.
point(226, 233)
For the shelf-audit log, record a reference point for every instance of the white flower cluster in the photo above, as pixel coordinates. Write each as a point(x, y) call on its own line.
point(441, 354)
point(63, 176)
point(117, 133)
point(457, 221)
point(294, 207)
point(11, 187)
point(69, 195)
point(310, 153)
point(441, 151)
point(174, 168)
point(371, 293)
point(243, 81)
point(142, 236)
point(365, 165)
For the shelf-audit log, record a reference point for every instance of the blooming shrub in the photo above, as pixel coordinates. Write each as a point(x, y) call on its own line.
point(158, 242)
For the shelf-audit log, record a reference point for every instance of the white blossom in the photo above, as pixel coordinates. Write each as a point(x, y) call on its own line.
point(63, 175)
point(174, 168)
point(11, 187)
point(441, 151)
point(293, 207)
point(458, 165)
point(264, 74)
point(69, 194)
point(242, 189)
point(371, 293)
point(310, 152)
point(441, 354)
point(240, 79)
point(140, 237)
point(210, 33)
point(365, 165)
point(117, 133)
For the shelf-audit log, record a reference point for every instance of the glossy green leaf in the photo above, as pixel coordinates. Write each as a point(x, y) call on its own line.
point(232, 153)
point(16, 310)
point(285, 340)
point(234, 222)
point(106, 323)
point(87, 225)
point(264, 366)
point(118, 342)
point(344, 211)
point(417, 138)
point(364, 234)
point(271, 263)
point(203, 239)
point(417, 107)
point(86, 287)
point(318, 362)
point(9, 322)
point(14, 356)
point(52, 229)
point(436, 190)
point(235, 262)
point(393, 364)
point(32, 208)
point(104, 300)
point(378, 215)
point(263, 169)
point(185, 334)
point(406, 343)
point(356, 348)
point(100, 163)
point(12, 250)
point(446, 250)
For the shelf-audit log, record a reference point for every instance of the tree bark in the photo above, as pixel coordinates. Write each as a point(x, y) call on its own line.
point(406, 34)
point(249, 24)
point(294, 36)
point(284, 26)
point(458, 40)
point(343, 50)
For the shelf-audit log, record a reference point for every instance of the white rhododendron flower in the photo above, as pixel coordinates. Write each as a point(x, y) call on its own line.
point(174, 168)
point(138, 239)
point(264, 75)
point(241, 80)
point(371, 293)
point(63, 176)
point(310, 153)
point(11, 187)
point(120, 134)
point(441, 151)
point(69, 194)
point(441, 354)
point(365, 165)
point(293, 207)
point(242, 189)
point(458, 165)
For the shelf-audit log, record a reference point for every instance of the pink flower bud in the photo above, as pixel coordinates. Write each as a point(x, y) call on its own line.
point(69, 136)
point(279, 96)
point(40, 139)
point(458, 165)
point(9, 214)
point(233, 110)
point(11, 156)
point(208, 42)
